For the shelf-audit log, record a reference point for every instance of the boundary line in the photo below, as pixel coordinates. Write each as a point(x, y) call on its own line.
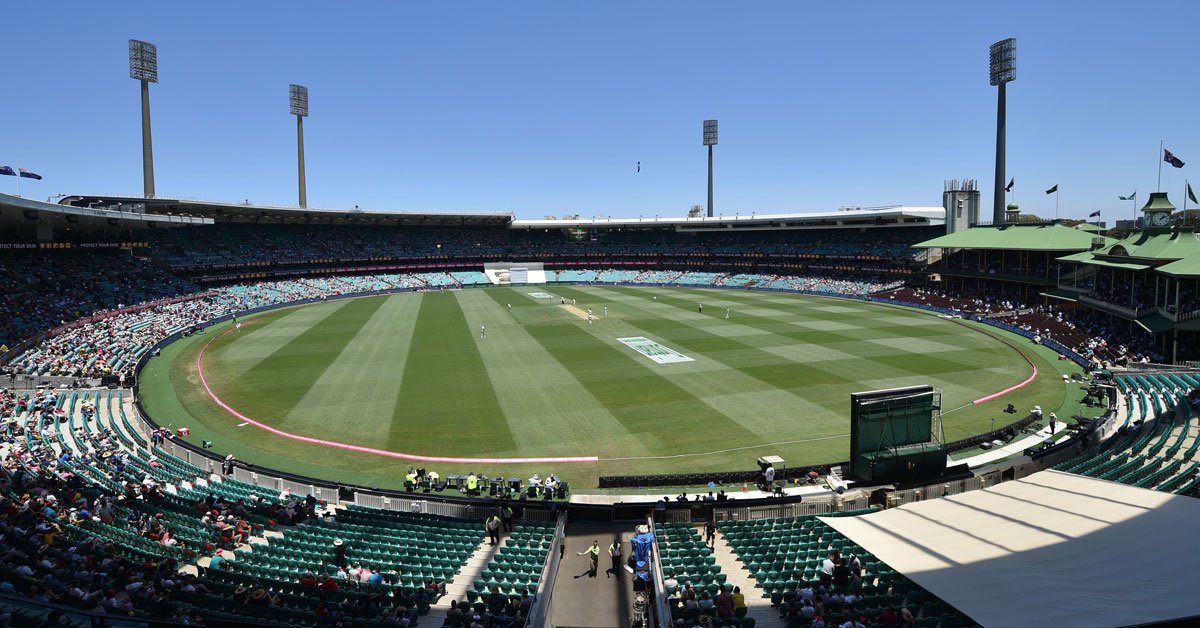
point(359, 448)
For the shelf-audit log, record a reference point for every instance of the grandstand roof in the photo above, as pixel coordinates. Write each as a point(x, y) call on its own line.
point(1142, 249)
point(25, 212)
point(856, 217)
point(1017, 236)
point(1052, 549)
point(1183, 268)
point(249, 212)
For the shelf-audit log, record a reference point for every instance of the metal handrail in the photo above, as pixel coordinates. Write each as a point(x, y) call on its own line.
point(661, 610)
point(539, 615)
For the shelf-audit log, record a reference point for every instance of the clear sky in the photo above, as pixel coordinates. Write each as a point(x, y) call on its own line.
point(546, 107)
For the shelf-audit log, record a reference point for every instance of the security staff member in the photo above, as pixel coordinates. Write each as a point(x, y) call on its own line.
point(614, 552)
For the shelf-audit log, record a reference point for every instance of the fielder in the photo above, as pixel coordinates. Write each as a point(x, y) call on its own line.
point(483, 331)
point(726, 313)
point(589, 316)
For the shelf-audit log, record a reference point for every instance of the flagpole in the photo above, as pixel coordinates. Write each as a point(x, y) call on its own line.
point(1160, 160)
point(1056, 202)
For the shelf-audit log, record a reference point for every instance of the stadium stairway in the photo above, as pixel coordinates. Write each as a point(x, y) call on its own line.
point(758, 604)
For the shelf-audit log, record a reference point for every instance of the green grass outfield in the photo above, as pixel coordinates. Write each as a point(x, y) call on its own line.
point(410, 373)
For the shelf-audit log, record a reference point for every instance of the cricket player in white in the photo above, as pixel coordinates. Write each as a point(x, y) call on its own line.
point(589, 316)
point(510, 307)
point(237, 325)
point(726, 313)
point(483, 331)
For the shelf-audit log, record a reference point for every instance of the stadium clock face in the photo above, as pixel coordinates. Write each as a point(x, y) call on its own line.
point(1160, 219)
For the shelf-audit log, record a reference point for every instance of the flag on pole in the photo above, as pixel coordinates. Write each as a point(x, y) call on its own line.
point(8, 171)
point(1095, 214)
point(1008, 188)
point(1053, 189)
point(1170, 158)
point(1192, 195)
point(25, 174)
point(1130, 197)
point(639, 166)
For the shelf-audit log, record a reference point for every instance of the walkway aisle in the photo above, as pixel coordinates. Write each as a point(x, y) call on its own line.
point(605, 601)
point(737, 574)
point(463, 581)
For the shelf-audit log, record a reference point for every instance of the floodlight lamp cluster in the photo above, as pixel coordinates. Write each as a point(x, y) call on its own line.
point(143, 61)
point(1002, 57)
point(298, 98)
point(710, 132)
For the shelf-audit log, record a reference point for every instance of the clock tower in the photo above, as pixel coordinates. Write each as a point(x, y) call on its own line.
point(1157, 212)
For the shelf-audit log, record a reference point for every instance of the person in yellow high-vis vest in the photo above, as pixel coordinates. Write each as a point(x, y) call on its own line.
point(593, 554)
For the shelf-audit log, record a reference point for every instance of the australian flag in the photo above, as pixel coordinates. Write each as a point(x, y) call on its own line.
point(1095, 214)
point(1011, 182)
point(8, 171)
point(1170, 158)
point(30, 175)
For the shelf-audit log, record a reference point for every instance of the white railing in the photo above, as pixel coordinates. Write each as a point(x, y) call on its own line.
point(543, 599)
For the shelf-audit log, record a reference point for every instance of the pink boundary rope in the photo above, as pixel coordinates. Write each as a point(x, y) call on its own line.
point(359, 448)
point(1011, 388)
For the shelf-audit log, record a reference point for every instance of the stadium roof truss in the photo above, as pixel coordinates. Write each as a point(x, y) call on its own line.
point(1017, 237)
point(846, 218)
point(249, 213)
point(15, 210)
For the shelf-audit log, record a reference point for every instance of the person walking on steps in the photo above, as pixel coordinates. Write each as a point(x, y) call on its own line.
point(493, 529)
point(614, 552)
point(593, 554)
point(710, 533)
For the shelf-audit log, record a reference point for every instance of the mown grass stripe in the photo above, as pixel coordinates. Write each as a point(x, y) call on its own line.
point(351, 389)
point(445, 390)
point(263, 335)
point(276, 384)
point(645, 401)
point(542, 400)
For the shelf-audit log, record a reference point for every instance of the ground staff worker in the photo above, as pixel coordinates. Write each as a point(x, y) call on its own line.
point(493, 529)
point(507, 516)
point(614, 552)
point(593, 554)
point(472, 484)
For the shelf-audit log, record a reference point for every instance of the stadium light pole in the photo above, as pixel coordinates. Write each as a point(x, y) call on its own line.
point(298, 99)
point(1002, 69)
point(143, 67)
point(710, 140)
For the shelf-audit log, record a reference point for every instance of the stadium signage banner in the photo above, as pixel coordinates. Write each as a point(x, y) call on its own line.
point(654, 351)
point(540, 295)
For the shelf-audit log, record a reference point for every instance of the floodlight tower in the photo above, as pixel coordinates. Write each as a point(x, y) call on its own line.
point(298, 97)
point(1002, 57)
point(143, 66)
point(710, 140)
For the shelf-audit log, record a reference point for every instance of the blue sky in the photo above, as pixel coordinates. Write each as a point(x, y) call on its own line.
point(546, 107)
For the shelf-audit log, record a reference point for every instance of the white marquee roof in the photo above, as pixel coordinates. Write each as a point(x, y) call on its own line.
point(1052, 549)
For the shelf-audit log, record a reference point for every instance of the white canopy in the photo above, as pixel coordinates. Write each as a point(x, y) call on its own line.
point(1052, 549)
